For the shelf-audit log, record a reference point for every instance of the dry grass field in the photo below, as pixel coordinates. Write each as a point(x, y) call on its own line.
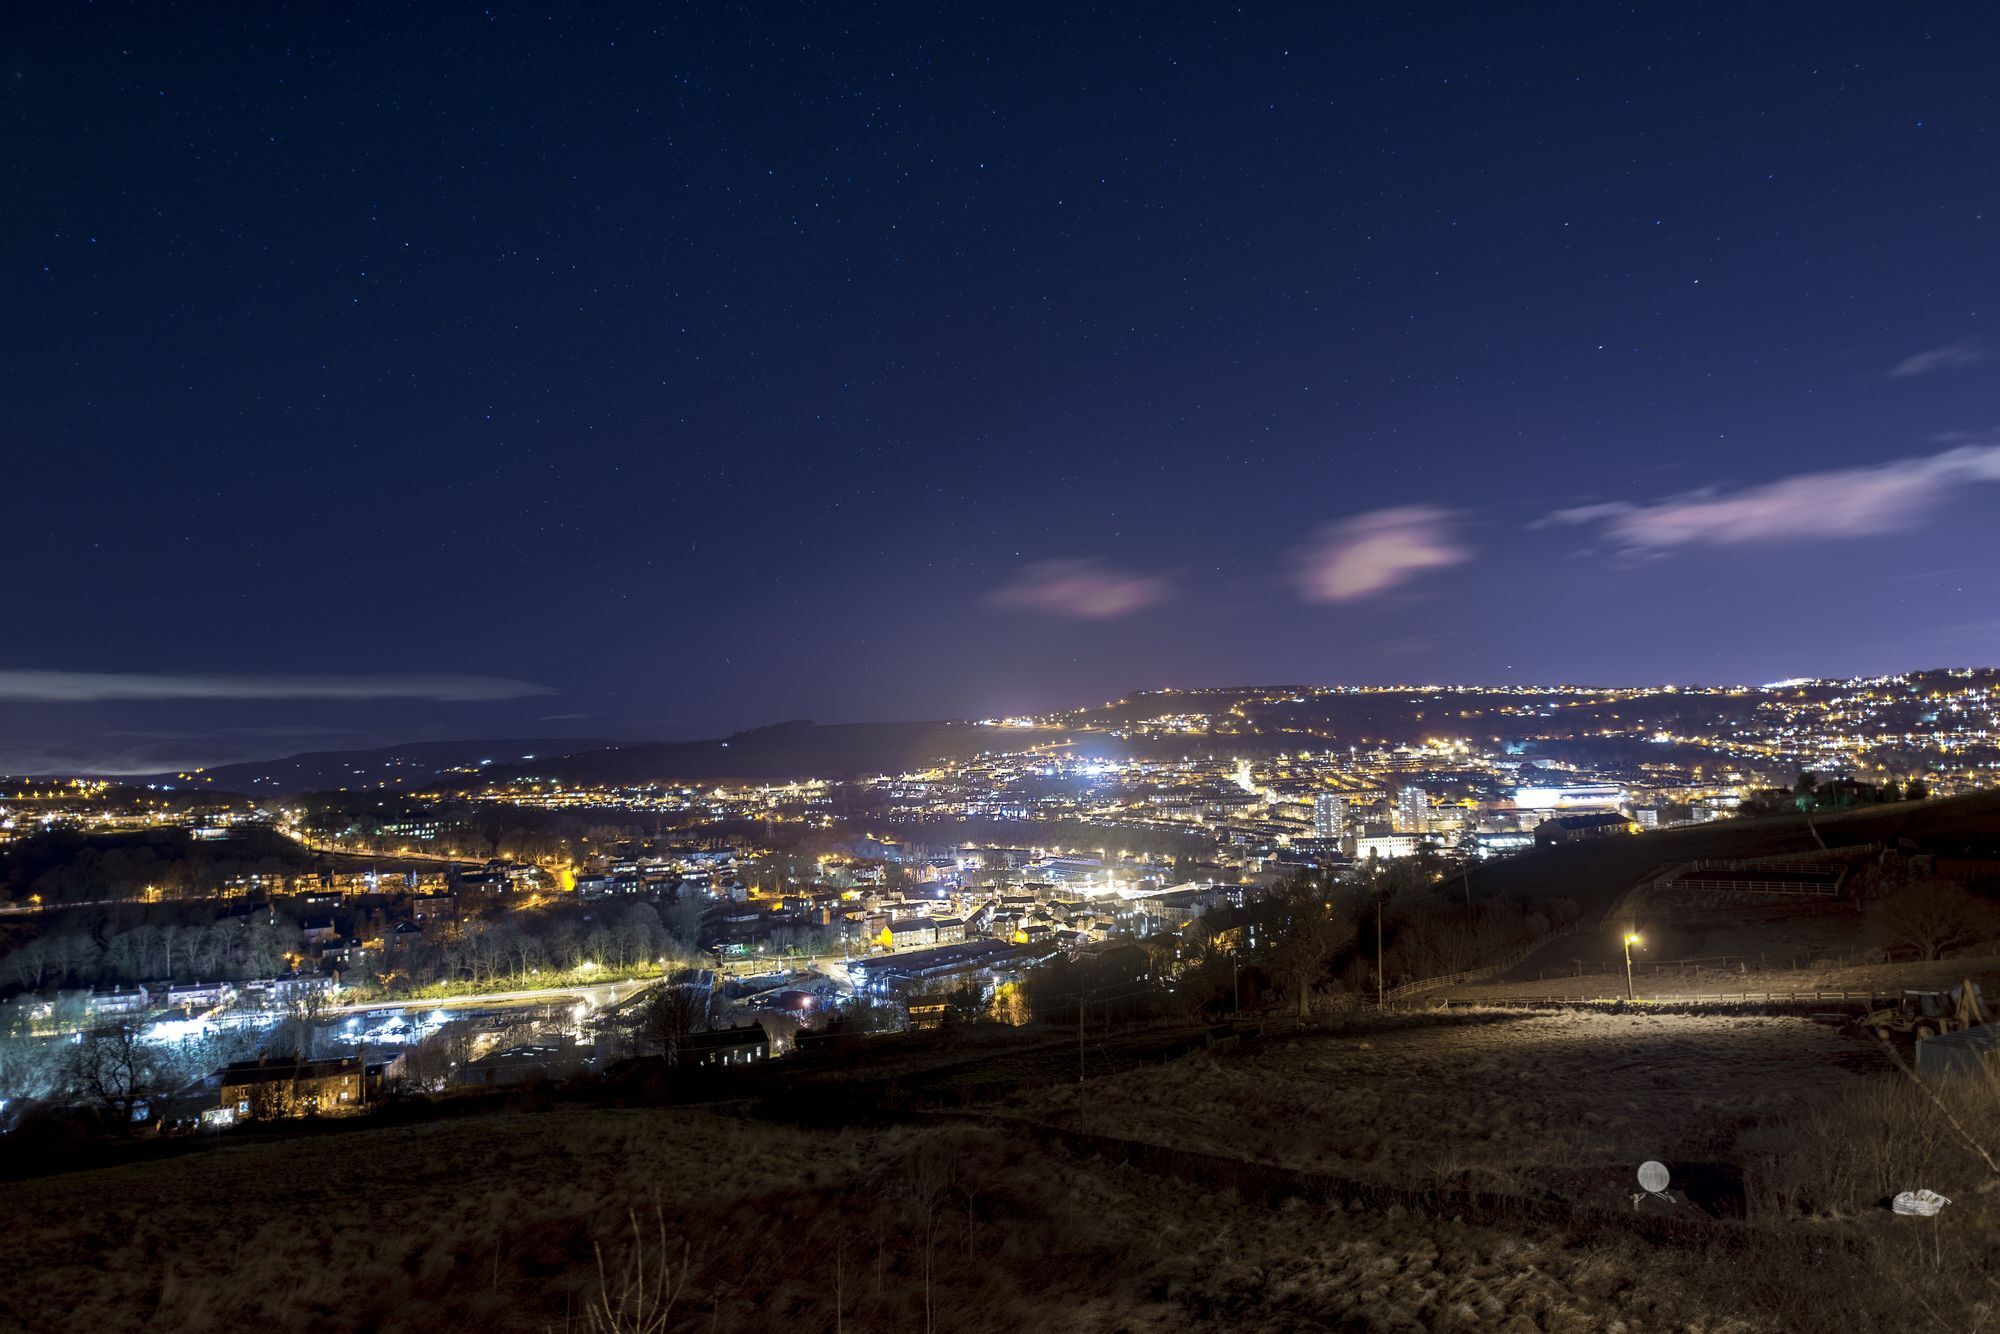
point(1568, 1103)
point(1006, 1217)
point(1787, 1134)
point(490, 1225)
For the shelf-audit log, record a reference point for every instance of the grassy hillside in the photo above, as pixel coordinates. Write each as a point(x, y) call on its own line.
point(1595, 873)
point(66, 866)
point(409, 765)
point(1399, 1173)
point(491, 1225)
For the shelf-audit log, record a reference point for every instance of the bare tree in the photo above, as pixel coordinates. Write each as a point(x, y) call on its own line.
point(1306, 927)
point(30, 1067)
point(169, 945)
point(1930, 917)
point(427, 1066)
point(929, 1178)
point(867, 1013)
point(1193, 963)
point(30, 964)
point(303, 1011)
point(70, 953)
point(110, 1066)
point(674, 1012)
point(641, 1300)
point(683, 922)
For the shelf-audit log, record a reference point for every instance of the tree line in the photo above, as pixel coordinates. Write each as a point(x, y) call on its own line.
point(1312, 935)
point(490, 944)
point(231, 948)
point(506, 947)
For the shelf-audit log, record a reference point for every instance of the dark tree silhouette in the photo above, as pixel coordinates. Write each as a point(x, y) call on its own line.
point(1930, 917)
point(1305, 925)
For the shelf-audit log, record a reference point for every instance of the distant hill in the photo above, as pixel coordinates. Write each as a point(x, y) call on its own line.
point(798, 749)
point(392, 767)
point(801, 749)
point(1940, 716)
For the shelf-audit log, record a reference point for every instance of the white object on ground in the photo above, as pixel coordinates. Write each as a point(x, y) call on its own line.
point(1923, 1203)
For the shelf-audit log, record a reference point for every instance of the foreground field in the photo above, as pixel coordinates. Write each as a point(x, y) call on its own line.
point(1043, 1210)
point(1565, 1103)
point(1785, 1138)
point(491, 1225)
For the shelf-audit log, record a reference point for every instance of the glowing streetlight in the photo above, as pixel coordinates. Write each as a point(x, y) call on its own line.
point(1631, 939)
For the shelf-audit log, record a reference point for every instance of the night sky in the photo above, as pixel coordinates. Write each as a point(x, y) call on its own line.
point(476, 372)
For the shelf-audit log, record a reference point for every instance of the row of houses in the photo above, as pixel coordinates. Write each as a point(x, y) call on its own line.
point(127, 1003)
point(277, 1089)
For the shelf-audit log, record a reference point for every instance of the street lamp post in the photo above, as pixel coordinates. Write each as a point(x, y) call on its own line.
point(1631, 939)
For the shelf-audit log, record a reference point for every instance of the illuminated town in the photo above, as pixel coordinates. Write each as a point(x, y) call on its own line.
point(1057, 836)
point(1107, 668)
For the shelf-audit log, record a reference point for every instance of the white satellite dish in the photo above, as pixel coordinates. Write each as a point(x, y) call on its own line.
point(1653, 1176)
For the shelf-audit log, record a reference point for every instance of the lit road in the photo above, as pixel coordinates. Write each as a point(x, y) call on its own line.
point(335, 850)
point(596, 996)
point(21, 908)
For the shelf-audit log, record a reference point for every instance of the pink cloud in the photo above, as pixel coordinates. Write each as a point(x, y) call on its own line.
point(1847, 502)
point(1080, 590)
point(1375, 552)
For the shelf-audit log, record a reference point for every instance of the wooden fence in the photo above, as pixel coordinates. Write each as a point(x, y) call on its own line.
point(1479, 974)
point(1801, 996)
point(1733, 965)
point(1842, 858)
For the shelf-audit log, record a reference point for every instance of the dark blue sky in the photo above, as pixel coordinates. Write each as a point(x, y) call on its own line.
point(705, 366)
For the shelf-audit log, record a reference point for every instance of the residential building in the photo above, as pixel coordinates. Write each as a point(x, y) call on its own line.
point(729, 1046)
point(1413, 810)
point(270, 1089)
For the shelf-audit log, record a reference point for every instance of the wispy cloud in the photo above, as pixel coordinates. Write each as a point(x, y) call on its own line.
point(1375, 552)
point(1950, 357)
point(1846, 502)
point(33, 687)
point(1080, 590)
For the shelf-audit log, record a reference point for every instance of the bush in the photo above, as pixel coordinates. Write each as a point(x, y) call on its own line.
point(1850, 1156)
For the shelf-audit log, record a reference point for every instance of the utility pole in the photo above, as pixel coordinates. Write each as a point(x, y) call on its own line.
point(1080, 998)
point(1378, 949)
